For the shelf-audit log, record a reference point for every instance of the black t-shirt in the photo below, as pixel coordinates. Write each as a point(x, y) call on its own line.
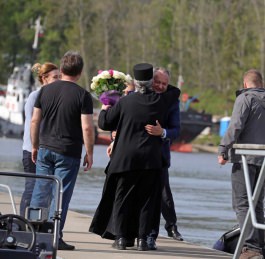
point(61, 104)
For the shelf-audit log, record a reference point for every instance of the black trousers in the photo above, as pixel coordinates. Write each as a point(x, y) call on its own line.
point(29, 167)
point(167, 206)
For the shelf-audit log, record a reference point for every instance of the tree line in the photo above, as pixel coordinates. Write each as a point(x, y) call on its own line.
point(211, 43)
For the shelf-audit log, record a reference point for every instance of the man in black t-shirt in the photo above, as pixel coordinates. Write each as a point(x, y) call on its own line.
point(62, 120)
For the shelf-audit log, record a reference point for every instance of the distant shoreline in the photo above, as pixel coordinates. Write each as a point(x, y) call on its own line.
point(204, 148)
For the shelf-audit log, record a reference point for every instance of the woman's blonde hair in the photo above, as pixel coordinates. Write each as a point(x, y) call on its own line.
point(42, 70)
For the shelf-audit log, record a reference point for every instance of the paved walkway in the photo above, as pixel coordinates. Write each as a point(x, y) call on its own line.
point(89, 245)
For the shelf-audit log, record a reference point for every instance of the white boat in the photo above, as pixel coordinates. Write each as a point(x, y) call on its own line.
point(19, 85)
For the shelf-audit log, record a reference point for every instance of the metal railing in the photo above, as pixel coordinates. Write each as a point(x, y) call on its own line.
point(57, 197)
point(254, 150)
point(11, 197)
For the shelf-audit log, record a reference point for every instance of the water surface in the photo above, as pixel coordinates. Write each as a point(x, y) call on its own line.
point(200, 187)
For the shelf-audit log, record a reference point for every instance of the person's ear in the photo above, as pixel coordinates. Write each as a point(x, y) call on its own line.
point(44, 79)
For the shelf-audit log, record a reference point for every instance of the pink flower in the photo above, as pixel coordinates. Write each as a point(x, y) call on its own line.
point(111, 72)
point(100, 71)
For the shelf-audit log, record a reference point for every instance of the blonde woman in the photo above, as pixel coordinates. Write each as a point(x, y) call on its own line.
point(46, 73)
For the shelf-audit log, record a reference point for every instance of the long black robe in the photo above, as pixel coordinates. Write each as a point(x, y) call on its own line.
point(131, 195)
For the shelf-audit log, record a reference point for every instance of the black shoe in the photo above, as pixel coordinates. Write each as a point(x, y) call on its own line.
point(120, 244)
point(142, 245)
point(130, 242)
point(151, 243)
point(173, 232)
point(63, 246)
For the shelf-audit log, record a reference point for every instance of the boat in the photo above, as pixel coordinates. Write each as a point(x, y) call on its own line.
point(19, 85)
point(192, 124)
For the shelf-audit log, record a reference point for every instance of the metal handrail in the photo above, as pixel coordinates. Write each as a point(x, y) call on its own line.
point(11, 197)
point(254, 150)
point(57, 197)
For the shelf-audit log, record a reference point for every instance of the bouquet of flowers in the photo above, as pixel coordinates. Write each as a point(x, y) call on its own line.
point(108, 85)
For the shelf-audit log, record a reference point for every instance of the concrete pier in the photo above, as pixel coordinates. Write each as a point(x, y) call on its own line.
point(89, 245)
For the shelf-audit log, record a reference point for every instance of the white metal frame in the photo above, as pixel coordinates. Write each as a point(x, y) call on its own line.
point(254, 150)
point(11, 197)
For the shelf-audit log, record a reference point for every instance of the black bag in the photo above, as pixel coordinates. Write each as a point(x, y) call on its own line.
point(228, 241)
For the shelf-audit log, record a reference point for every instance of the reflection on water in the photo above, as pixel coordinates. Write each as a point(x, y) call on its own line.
point(201, 191)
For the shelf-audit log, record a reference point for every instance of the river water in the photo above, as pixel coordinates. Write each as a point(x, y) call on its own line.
point(201, 189)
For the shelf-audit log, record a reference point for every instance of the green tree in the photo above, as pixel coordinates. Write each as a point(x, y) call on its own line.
point(211, 43)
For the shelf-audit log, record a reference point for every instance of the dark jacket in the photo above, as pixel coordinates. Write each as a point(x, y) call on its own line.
point(134, 149)
point(172, 126)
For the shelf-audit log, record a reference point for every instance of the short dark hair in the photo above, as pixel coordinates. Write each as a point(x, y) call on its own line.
point(72, 63)
point(254, 76)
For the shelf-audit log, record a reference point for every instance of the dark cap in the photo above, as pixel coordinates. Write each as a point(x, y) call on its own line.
point(143, 71)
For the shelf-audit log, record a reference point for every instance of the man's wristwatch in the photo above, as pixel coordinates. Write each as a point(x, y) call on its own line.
point(164, 134)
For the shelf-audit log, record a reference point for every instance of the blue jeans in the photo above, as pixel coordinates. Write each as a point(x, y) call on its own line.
point(255, 237)
point(29, 167)
point(64, 167)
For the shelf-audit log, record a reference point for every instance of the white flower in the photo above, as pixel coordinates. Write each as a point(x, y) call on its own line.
point(116, 74)
point(128, 78)
point(105, 88)
point(95, 79)
point(94, 85)
point(109, 80)
point(104, 74)
point(122, 76)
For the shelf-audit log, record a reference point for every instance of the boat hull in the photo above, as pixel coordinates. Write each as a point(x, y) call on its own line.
point(192, 125)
